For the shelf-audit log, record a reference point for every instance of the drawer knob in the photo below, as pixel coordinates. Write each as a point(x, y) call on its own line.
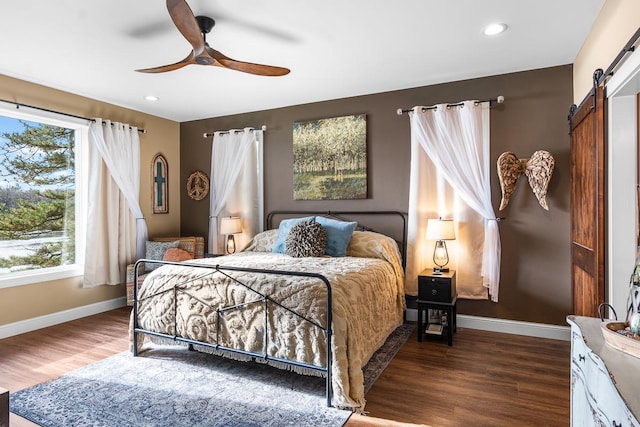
point(581, 358)
point(434, 292)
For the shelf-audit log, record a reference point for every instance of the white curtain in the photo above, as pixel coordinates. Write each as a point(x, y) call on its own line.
point(246, 197)
point(430, 196)
point(236, 184)
point(116, 229)
point(456, 140)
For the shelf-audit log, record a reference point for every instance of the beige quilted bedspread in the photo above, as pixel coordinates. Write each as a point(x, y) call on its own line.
point(367, 297)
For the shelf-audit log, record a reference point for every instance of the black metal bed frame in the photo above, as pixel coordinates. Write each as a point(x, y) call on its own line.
point(341, 215)
point(228, 271)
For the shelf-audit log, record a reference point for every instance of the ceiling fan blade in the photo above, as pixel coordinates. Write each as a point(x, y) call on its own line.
point(186, 23)
point(170, 67)
point(246, 67)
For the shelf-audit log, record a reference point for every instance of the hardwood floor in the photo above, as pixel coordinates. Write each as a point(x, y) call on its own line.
point(485, 379)
point(45, 354)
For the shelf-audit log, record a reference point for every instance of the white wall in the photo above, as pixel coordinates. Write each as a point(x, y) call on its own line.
point(622, 140)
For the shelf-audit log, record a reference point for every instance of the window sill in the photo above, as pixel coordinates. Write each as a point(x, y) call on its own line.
point(38, 276)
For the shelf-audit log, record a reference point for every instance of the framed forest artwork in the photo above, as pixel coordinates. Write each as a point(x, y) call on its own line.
point(330, 158)
point(159, 184)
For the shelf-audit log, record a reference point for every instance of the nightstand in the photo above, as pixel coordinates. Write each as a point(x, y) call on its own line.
point(437, 292)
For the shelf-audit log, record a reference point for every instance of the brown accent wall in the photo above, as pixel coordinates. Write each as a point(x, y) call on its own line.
point(535, 278)
point(39, 299)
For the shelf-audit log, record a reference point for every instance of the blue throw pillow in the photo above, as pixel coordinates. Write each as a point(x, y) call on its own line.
point(338, 235)
point(283, 231)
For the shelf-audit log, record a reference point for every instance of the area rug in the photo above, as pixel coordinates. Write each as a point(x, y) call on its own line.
point(173, 387)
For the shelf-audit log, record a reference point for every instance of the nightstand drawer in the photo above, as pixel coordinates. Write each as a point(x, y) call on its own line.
point(439, 289)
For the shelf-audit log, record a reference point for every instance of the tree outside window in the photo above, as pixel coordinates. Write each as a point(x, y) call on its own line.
point(37, 195)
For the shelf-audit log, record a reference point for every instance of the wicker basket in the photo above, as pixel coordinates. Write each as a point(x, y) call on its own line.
point(625, 343)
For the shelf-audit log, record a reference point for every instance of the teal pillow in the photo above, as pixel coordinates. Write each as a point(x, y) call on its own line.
point(338, 235)
point(283, 231)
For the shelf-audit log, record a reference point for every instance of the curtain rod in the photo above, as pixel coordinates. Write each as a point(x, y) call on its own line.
point(207, 135)
point(499, 100)
point(18, 105)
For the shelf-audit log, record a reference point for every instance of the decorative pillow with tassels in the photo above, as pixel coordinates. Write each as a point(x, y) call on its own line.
point(283, 231)
point(306, 239)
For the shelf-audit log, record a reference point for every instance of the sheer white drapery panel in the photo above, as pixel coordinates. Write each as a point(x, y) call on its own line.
point(456, 139)
point(430, 196)
point(246, 198)
point(116, 229)
point(234, 163)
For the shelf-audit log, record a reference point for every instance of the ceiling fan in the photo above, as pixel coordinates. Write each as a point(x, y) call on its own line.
point(195, 29)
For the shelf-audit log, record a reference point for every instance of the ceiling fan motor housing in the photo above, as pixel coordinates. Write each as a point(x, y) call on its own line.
point(205, 23)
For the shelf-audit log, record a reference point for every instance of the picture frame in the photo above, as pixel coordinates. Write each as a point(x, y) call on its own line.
point(160, 184)
point(330, 158)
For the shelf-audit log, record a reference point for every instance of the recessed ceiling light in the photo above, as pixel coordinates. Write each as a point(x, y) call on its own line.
point(493, 29)
point(151, 98)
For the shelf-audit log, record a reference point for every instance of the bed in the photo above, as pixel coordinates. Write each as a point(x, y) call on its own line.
point(320, 315)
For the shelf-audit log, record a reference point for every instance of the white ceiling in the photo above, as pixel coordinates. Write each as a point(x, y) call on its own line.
point(334, 48)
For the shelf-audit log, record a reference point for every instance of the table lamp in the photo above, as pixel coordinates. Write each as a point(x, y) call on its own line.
point(230, 226)
point(440, 230)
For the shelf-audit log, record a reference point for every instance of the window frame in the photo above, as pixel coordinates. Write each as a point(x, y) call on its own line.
point(81, 140)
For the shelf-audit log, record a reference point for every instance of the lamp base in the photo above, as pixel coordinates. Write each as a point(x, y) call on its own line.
point(231, 244)
point(440, 270)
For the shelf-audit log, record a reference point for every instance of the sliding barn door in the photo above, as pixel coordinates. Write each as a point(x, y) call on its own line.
point(588, 204)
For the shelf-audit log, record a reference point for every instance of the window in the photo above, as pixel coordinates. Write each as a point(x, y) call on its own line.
point(41, 203)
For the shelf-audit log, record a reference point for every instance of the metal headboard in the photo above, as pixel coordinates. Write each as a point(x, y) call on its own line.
point(345, 216)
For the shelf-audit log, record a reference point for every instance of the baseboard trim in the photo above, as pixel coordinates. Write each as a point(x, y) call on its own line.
point(40, 322)
point(540, 330)
point(516, 327)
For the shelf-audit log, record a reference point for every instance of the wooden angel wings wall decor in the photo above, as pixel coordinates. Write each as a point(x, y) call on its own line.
point(538, 170)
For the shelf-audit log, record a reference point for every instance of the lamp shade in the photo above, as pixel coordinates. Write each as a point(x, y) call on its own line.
point(230, 225)
point(440, 229)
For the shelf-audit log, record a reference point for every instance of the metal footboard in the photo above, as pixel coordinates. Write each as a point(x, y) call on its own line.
point(227, 271)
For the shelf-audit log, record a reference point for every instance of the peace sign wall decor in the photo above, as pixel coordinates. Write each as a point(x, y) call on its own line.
point(197, 185)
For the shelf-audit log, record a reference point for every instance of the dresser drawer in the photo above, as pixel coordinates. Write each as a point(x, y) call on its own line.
point(603, 380)
point(438, 289)
point(613, 408)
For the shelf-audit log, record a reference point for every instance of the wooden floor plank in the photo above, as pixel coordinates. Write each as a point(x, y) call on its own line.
point(484, 379)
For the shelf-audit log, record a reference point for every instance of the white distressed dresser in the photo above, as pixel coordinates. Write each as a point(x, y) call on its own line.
point(605, 382)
